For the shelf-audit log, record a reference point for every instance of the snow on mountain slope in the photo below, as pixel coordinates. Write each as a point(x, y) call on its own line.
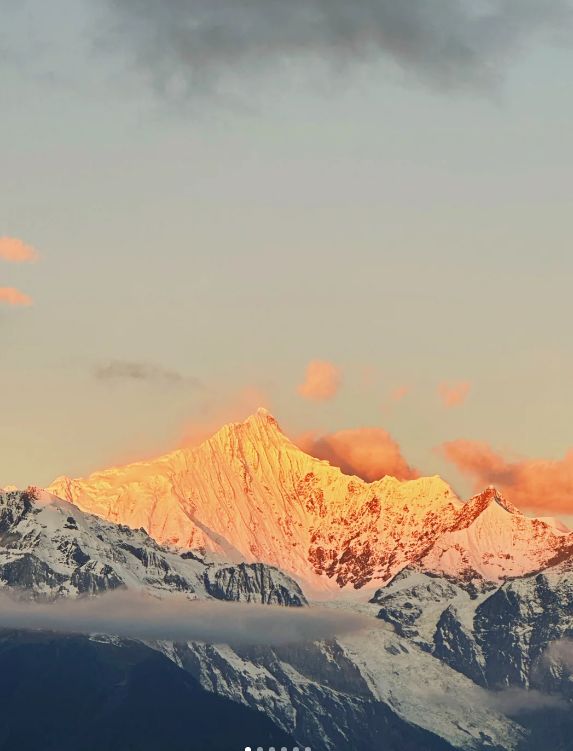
point(51, 549)
point(365, 691)
point(415, 684)
point(493, 540)
point(557, 524)
point(251, 494)
point(414, 602)
point(497, 636)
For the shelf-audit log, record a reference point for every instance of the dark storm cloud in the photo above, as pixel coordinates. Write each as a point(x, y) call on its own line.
point(125, 370)
point(191, 44)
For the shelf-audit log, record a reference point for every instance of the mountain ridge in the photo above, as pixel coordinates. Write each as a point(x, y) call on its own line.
point(250, 493)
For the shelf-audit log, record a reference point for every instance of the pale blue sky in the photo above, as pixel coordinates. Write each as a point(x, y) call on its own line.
point(358, 215)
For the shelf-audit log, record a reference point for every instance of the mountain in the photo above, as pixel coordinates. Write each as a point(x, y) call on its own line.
point(472, 607)
point(70, 693)
point(50, 549)
point(372, 689)
point(492, 540)
point(514, 639)
point(250, 494)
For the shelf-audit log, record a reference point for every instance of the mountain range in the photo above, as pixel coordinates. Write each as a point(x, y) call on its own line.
point(250, 494)
point(466, 638)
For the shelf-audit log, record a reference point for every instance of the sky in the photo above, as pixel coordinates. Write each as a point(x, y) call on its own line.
point(356, 215)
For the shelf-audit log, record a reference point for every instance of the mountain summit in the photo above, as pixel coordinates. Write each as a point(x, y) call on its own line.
point(493, 540)
point(250, 494)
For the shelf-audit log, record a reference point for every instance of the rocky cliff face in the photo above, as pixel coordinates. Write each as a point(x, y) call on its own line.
point(515, 640)
point(513, 635)
point(253, 582)
point(366, 691)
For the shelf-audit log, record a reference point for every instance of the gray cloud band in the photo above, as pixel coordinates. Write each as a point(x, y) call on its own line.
point(124, 370)
point(447, 43)
point(139, 616)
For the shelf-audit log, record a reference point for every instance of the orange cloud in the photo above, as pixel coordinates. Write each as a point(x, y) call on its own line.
point(534, 484)
point(454, 394)
point(12, 296)
point(322, 381)
point(370, 453)
point(399, 393)
point(15, 251)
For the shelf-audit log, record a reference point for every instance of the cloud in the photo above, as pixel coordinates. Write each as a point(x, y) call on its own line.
point(512, 702)
point(12, 296)
point(126, 370)
point(450, 44)
point(535, 484)
point(368, 376)
point(369, 453)
point(135, 615)
point(454, 394)
point(15, 251)
point(400, 393)
point(560, 651)
point(515, 702)
point(322, 381)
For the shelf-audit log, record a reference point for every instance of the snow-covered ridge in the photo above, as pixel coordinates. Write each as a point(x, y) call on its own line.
point(492, 540)
point(250, 494)
point(50, 549)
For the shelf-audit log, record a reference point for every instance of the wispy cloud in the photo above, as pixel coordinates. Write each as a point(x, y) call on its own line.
point(450, 44)
point(370, 453)
point(12, 296)
point(14, 250)
point(127, 370)
point(322, 381)
point(535, 484)
point(560, 651)
point(515, 702)
point(399, 393)
point(454, 394)
point(135, 615)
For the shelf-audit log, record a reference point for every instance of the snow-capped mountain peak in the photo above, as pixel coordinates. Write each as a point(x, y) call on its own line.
point(492, 539)
point(489, 501)
point(251, 494)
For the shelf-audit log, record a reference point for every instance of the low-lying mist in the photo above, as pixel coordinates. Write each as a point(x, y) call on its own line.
point(176, 618)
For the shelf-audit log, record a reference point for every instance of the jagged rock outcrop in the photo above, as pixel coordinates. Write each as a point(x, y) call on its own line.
point(253, 582)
